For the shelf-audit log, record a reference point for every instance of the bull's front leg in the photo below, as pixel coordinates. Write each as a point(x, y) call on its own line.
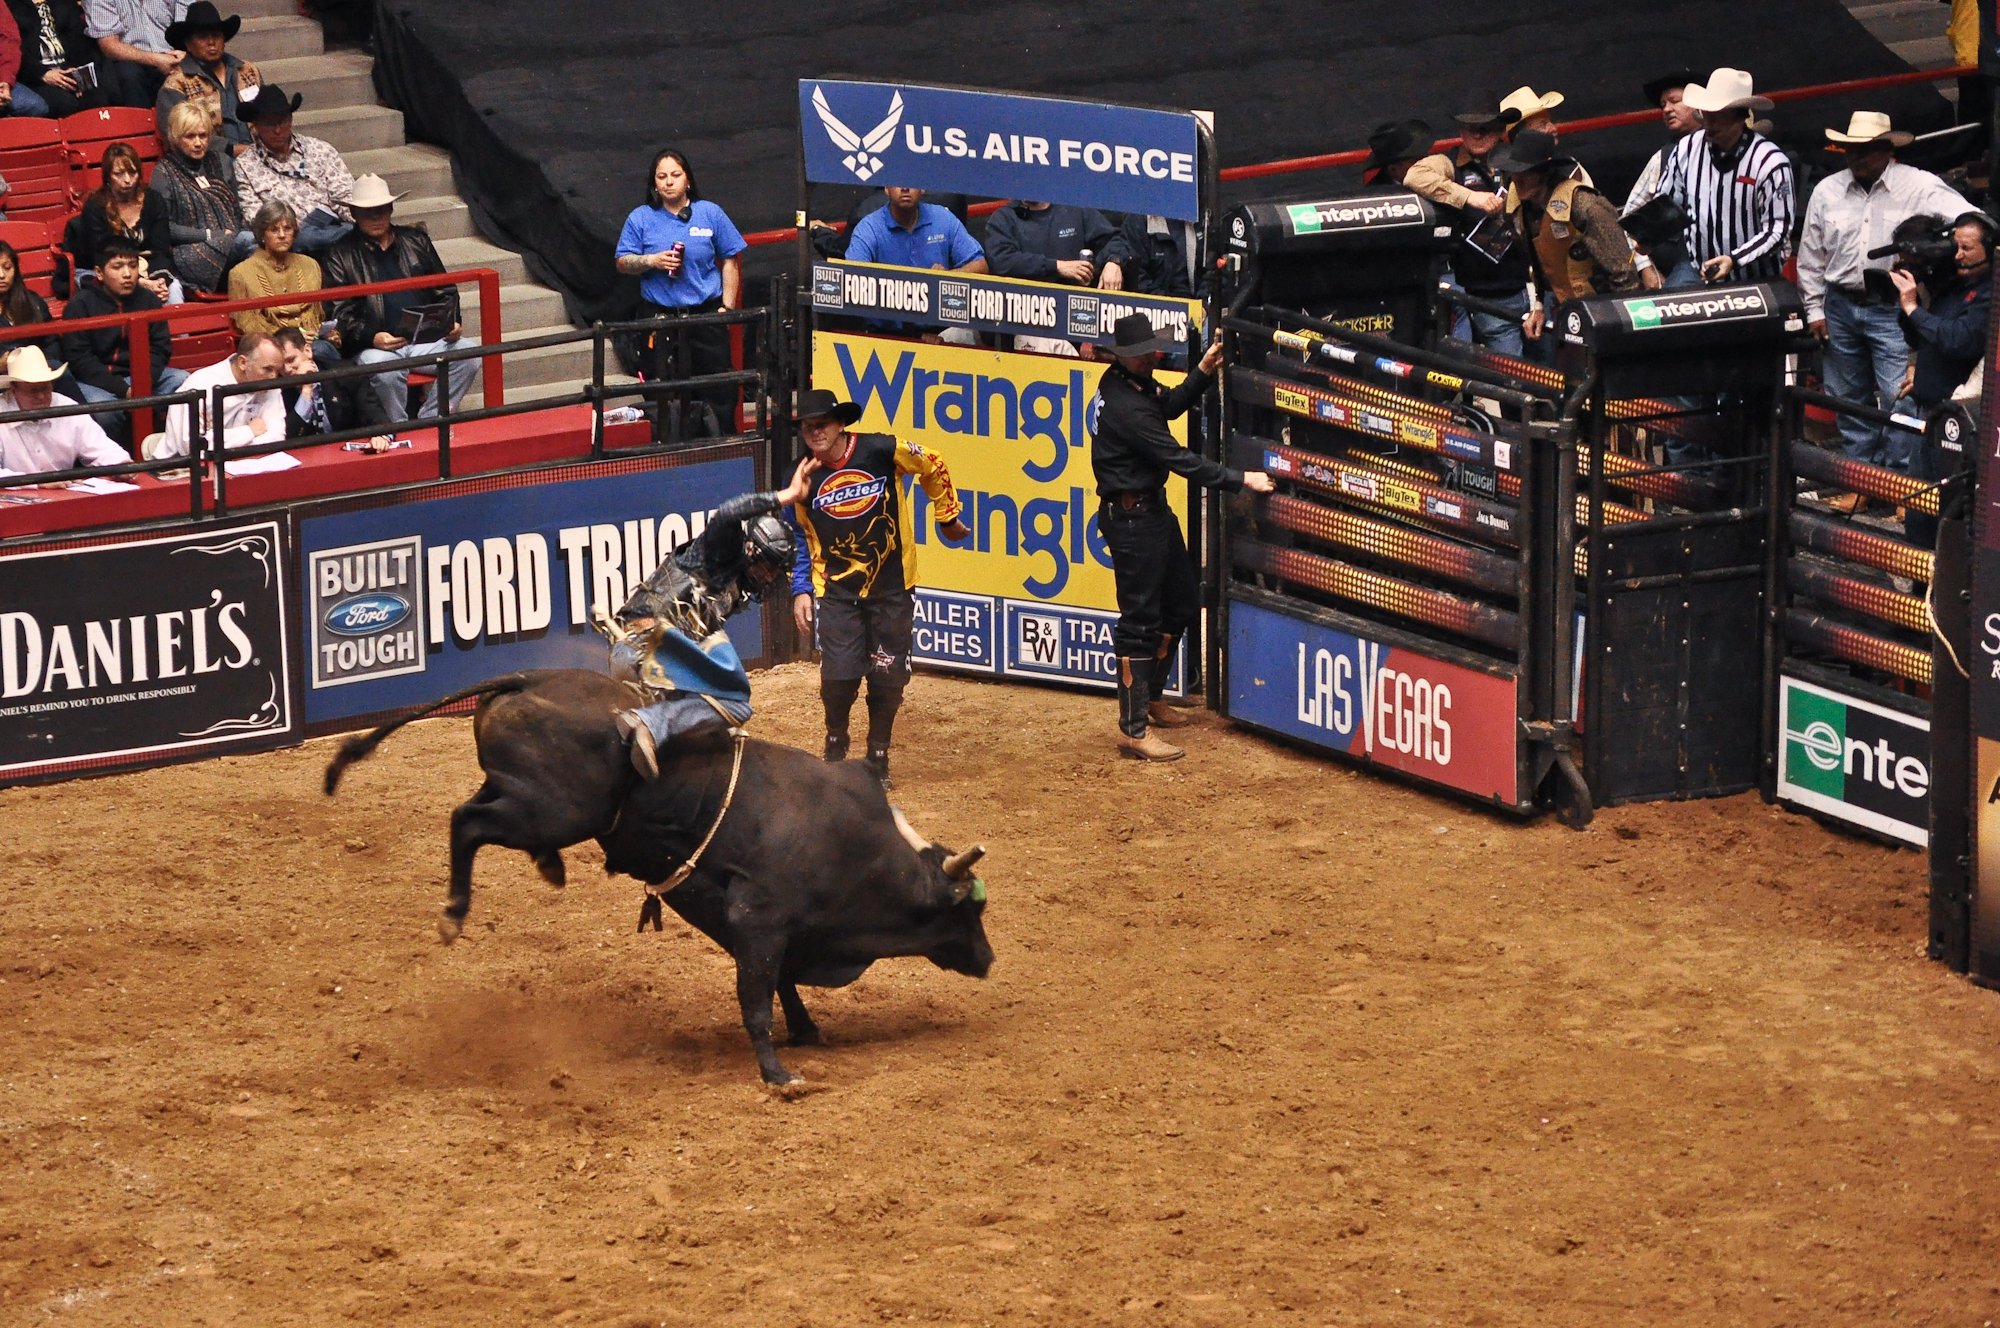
point(757, 963)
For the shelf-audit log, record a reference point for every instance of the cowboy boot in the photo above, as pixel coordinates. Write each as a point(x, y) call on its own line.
point(1158, 711)
point(836, 747)
point(645, 754)
point(876, 763)
point(1134, 695)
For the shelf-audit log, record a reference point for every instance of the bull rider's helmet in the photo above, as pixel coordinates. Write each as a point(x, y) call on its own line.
point(772, 549)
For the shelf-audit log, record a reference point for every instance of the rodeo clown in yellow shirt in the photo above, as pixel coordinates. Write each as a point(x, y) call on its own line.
point(859, 558)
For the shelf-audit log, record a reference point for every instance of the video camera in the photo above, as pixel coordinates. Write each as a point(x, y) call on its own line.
point(1924, 243)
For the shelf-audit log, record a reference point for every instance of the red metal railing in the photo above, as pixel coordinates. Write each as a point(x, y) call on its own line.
point(1353, 157)
point(140, 341)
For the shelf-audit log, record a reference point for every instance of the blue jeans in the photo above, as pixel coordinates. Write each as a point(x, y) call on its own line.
point(317, 234)
point(392, 389)
point(29, 102)
point(170, 381)
point(1684, 276)
point(673, 713)
point(1501, 335)
point(1864, 363)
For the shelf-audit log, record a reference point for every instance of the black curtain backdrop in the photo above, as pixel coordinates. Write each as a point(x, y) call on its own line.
point(553, 113)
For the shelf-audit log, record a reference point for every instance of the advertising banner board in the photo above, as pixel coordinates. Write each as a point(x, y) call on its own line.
point(1854, 761)
point(1373, 701)
point(1003, 145)
point(146, 651)
point(1029, 592)
point(445, 585)
point(991, 304)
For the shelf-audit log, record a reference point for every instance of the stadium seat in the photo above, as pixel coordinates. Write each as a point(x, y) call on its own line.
point(200, 340)
point(87, 133)
point(38, 260)
point(36, 166)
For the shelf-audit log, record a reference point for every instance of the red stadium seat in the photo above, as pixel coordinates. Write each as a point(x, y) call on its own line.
point(87, 133)
point(18, 134)
point(201, 340)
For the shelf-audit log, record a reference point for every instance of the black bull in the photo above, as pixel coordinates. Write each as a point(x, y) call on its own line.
point(810, 878)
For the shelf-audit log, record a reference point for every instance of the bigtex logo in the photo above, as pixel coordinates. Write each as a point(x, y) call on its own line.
point(1855, 756)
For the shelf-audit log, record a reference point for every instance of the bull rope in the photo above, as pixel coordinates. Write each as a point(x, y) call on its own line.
point(650, 910)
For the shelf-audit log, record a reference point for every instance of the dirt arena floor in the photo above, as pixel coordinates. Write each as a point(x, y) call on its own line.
point(1267, 1041)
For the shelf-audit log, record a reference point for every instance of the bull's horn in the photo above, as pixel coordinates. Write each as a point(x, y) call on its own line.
point(909, 834)
point(958, 864)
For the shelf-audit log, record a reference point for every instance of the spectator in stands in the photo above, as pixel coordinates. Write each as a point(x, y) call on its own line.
point(210, 76)
point(297, 169)
point(831, 243)
point(196, 180)
point(1734, 184)
point(1490, 260)
point(14, 100)
point(308, 408)
point(688, 257)
point(131, 35)
point(36, 447)
point(1153, 256)
point(1850, 213)
point(21, 307)
point(248, 418)
point(122, 205)
point(1580, 248)
point(1665, 266)
point(1047, 242)
point(55, 45)
point(912, 233)
point(101, 358)
point(380, 250)
point(1949, 339)
point(275, 270)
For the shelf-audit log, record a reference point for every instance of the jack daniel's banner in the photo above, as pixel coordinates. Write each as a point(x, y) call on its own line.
point(147, 651)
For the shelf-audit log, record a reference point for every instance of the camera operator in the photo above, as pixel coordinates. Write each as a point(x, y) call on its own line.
point(1948, 338)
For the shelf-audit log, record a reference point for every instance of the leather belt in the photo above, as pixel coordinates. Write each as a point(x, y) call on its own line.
point(1860, 295)
point(1130, 500)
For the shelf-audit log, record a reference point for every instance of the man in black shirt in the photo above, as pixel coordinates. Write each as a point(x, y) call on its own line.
point(1132, 455)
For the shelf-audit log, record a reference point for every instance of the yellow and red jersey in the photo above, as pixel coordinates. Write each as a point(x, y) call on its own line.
point(857, 526)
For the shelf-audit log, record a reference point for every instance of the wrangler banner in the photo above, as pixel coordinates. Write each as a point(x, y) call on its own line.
point(1029, 593)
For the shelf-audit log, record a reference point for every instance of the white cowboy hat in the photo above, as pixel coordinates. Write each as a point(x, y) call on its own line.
point(1726, 90)
point(372, 191)
point(1529, 102)
point(1865, 127)
point(29, 365)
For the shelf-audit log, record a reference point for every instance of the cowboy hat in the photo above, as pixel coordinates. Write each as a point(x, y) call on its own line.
point(270, 103)
point(1657, 88)
point(202, 17)
point(29, 365)
point(1399, 140)
point(372, 191)
point(819, 404)
point(1524, 101)
point(1726, 90)
point(1133, 336)
point(1531, 150)
point(1865, 128)
point(1486, 109)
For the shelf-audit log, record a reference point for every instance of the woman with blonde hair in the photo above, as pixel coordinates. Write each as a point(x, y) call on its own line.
point(196, 180)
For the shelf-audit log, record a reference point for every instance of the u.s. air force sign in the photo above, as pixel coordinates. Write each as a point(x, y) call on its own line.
point(1087, 153)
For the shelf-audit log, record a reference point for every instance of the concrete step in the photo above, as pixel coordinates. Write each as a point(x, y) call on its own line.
point(1904, 22)
point(418, 169)
point(1924, 52)
point(519, 392)
point(522, 308)
point(547, 364)
point(475, 252)
point(445, 216)
point(329, 81)
point(250, 9)
point(277, 39)
point(353, 128)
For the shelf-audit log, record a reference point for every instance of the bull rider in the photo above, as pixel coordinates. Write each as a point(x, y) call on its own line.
point(859, 561)
point(1132, 456)
point(669, 638)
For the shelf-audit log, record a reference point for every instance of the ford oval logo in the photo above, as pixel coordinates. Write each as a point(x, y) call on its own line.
point(365, 615)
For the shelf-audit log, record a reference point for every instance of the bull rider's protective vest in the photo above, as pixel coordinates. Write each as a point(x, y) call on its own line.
point(1565, 258)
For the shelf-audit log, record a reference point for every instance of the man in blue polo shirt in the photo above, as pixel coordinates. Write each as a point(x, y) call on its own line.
point(909, 233)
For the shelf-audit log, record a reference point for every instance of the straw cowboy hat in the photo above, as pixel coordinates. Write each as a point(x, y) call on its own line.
point(28, 365)
point(1726, 90)
point(1524, 101)
point(372, 191)
point(1868, 127)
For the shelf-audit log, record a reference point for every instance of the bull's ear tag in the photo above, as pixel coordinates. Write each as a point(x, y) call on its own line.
point(978, 895)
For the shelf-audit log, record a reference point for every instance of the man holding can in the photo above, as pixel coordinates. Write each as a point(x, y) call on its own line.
point(1132, 456)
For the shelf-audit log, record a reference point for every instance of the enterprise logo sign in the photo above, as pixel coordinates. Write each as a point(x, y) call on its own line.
point(1354, 214)
point(1678, 311)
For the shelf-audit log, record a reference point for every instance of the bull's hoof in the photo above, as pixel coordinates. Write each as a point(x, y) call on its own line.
point(805, 1037)
point(794, 1088)
point(449, 928)
point(550, 865)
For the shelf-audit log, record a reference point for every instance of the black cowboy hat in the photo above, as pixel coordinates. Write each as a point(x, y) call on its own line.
point(1659, 220)
point(1399, 140)
point(1485, 104)
point(819, 403)
point(203, 17)
point(1531, 150)
point(1133, 335)
point(270, 103)
point(1665, 83)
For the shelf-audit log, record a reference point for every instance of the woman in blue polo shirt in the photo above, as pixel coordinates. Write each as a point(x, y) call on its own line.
point(685, 251)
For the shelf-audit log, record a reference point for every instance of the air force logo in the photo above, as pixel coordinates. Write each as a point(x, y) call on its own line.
point(862, 150)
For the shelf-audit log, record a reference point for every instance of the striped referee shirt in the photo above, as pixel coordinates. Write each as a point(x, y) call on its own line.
point(1744, 210)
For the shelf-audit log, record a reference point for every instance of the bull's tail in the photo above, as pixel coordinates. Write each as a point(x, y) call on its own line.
point(362, 745)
